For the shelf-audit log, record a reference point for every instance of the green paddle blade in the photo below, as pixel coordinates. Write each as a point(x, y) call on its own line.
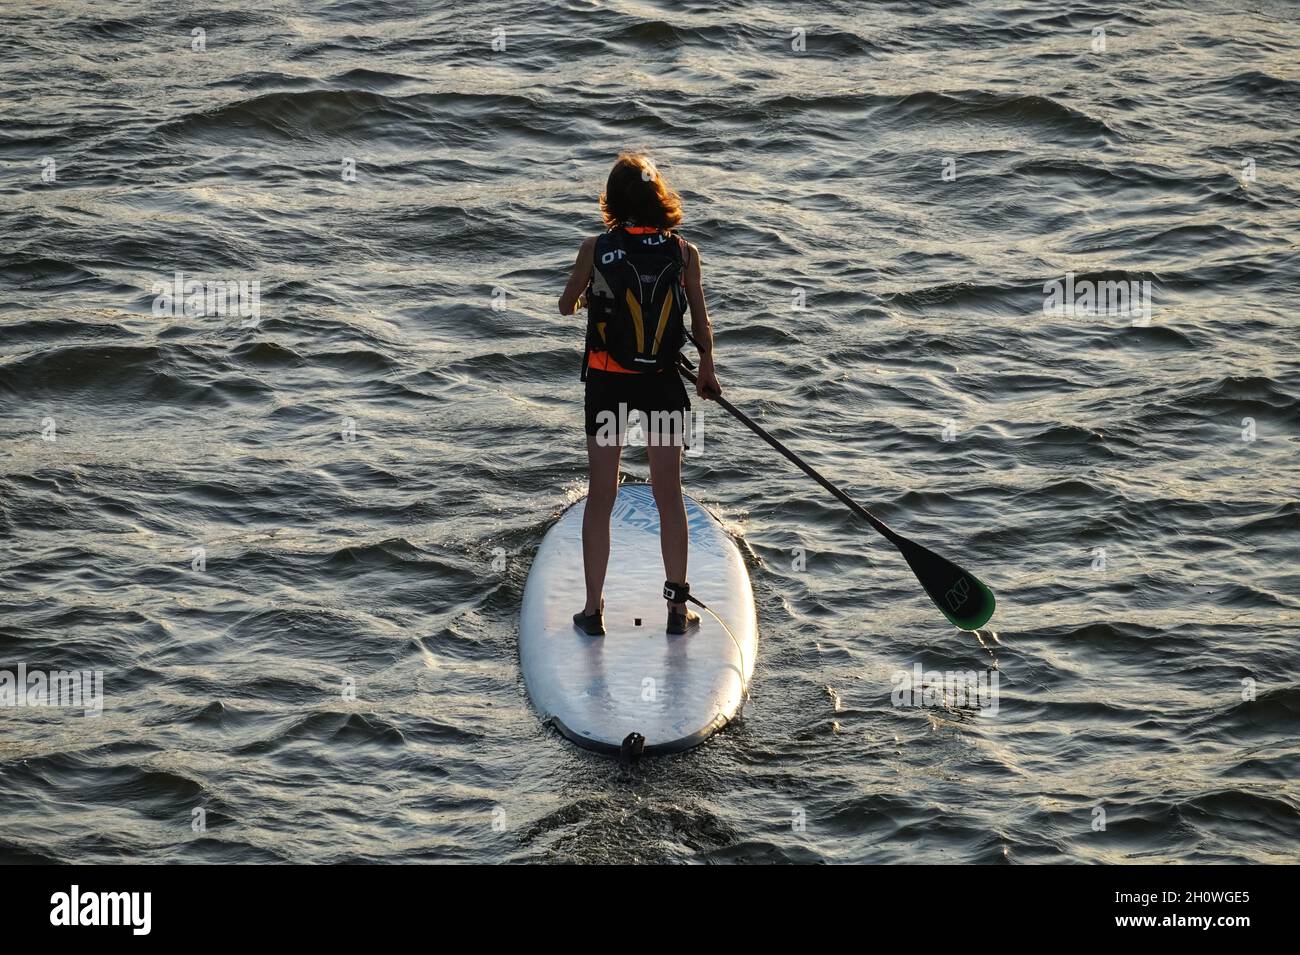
point(963, 598)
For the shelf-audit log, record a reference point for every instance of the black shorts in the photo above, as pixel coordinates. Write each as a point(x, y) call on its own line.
point(612, 397)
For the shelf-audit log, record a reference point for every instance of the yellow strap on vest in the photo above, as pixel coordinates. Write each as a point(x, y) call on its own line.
point(663, 321)
point(634, 307)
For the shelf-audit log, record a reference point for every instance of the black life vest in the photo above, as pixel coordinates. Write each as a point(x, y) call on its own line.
point(636, 300)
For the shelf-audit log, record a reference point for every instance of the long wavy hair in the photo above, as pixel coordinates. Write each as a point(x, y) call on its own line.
point(636, 193)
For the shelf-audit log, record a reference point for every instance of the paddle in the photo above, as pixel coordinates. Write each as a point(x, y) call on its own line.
point(962, 597)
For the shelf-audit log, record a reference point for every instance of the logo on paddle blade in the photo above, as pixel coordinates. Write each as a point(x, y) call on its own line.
point(958, 593)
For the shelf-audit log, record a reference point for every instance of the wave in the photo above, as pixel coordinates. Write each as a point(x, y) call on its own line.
point(1049, 117)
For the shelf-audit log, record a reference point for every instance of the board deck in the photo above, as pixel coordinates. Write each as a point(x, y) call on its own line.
point(676, 691)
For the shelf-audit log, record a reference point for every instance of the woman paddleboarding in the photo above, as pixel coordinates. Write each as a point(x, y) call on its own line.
point(636, 281)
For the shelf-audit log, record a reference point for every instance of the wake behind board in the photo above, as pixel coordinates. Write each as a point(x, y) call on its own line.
point(675, 691)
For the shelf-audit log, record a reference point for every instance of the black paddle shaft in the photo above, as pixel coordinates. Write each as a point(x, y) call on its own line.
point(794, 459)
point(964, 599)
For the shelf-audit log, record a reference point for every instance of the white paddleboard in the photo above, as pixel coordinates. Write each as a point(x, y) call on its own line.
point(676, 691)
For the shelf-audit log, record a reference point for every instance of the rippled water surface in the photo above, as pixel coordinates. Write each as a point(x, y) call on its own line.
point(369, 468)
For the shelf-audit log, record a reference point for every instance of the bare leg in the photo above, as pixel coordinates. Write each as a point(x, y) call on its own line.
point(602, 489)
point(666, 478)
